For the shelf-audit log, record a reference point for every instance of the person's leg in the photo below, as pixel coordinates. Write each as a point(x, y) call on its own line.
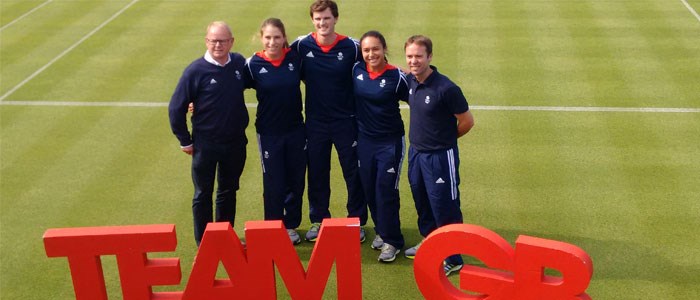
point(319, 163)
point(426, 221)
point(295, 170)
point(272, 158)
point(367, 171)
point(444, 192)
point(345, 141)
point(389, 160)
point(203, 175)
point(231, 163)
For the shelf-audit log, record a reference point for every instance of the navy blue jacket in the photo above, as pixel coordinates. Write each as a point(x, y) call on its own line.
point(377, 99)
point(278, 92)
point(220, 114)
point(327, 74)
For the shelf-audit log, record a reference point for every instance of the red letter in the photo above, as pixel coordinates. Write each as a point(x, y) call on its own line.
point(472, 240)
point(252, 274)
point(533, 255)
point(220, 244)
point(268, 243)
point(84, 246)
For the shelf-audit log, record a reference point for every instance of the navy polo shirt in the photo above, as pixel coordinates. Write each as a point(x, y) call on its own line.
point(433, 105)
point(278, 92)
point(327, 74)
point(377, 97)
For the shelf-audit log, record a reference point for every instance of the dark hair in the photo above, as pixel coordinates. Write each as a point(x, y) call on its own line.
point(379, 36)
point(420, 40)
point(275, 22)
point(321, 5)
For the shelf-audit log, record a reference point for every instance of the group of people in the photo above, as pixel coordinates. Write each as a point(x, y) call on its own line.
point(352, 103)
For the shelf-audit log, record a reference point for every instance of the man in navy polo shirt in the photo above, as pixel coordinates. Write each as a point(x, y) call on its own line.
point(327, 60)
point(214, 84)
point(439, 115)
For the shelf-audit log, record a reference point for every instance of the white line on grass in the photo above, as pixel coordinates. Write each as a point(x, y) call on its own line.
point(24, 15)
point(37, 72)
point(475, 107)
point(690, 8)
point(84, 104)
point(590, 109)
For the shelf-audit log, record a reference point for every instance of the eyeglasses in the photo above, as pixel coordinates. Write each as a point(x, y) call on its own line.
point(214, 42)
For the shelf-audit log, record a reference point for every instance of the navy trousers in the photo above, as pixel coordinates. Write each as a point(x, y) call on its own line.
point(434, 180)
point(283, 159)
point(321, 136)
point(224, 163)
point(380, 168)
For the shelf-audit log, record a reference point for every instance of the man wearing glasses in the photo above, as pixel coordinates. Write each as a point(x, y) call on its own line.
point(214, 84)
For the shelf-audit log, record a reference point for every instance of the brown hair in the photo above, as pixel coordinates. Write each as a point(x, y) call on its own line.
point(422, 41)
point(321, 5)
point(275, 22)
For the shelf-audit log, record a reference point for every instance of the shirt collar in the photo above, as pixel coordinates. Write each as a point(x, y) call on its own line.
point(211, 60)
point(430, 77)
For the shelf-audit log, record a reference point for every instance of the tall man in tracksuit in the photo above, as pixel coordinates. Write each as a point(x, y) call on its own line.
point(214, 84)
point(327, 60)
point(439, 115)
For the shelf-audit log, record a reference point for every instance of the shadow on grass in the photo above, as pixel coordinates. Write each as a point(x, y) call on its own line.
point(613, 259)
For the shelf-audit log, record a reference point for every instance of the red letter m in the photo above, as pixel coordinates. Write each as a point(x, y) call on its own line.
point(252, 274)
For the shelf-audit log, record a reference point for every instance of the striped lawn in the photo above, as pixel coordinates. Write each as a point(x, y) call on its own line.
point(622, 184)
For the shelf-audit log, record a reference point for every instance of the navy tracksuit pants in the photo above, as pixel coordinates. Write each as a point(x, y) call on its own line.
point(321, 136)
point(434, 180)
point(380, 168)
point(283, 159)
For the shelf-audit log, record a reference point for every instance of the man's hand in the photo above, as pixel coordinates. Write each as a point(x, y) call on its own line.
point(188, 149)
point(190, 108)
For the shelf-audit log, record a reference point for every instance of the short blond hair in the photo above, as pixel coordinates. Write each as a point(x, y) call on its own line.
point(220, 24)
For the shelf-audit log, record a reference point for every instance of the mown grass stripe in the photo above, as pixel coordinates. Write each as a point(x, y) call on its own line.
point(404, 106)
point(62, 54)
point(24, 15)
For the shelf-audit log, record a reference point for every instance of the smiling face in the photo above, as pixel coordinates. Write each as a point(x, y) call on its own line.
point(324, 22)
point(219, 41)
point(418, 61)
point(373, 52)
point(273, 41)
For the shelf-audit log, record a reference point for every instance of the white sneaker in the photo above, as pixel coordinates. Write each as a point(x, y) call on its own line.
point(411, 252)
point(312, 234)
point(450, 268)
point(377, 243)
point(388, 253)
point(294, 236)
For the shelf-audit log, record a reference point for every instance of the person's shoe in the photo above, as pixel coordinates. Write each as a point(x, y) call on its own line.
point(293, 236)
point(411, 252)
point(451, 268)
point(312, 234)
point(377, 243)
point(362, 234)
point(388, 253)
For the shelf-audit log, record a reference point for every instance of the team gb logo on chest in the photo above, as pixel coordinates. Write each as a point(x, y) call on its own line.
point(427, 99)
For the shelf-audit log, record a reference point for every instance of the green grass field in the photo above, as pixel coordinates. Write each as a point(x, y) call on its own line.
point(587, 129)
